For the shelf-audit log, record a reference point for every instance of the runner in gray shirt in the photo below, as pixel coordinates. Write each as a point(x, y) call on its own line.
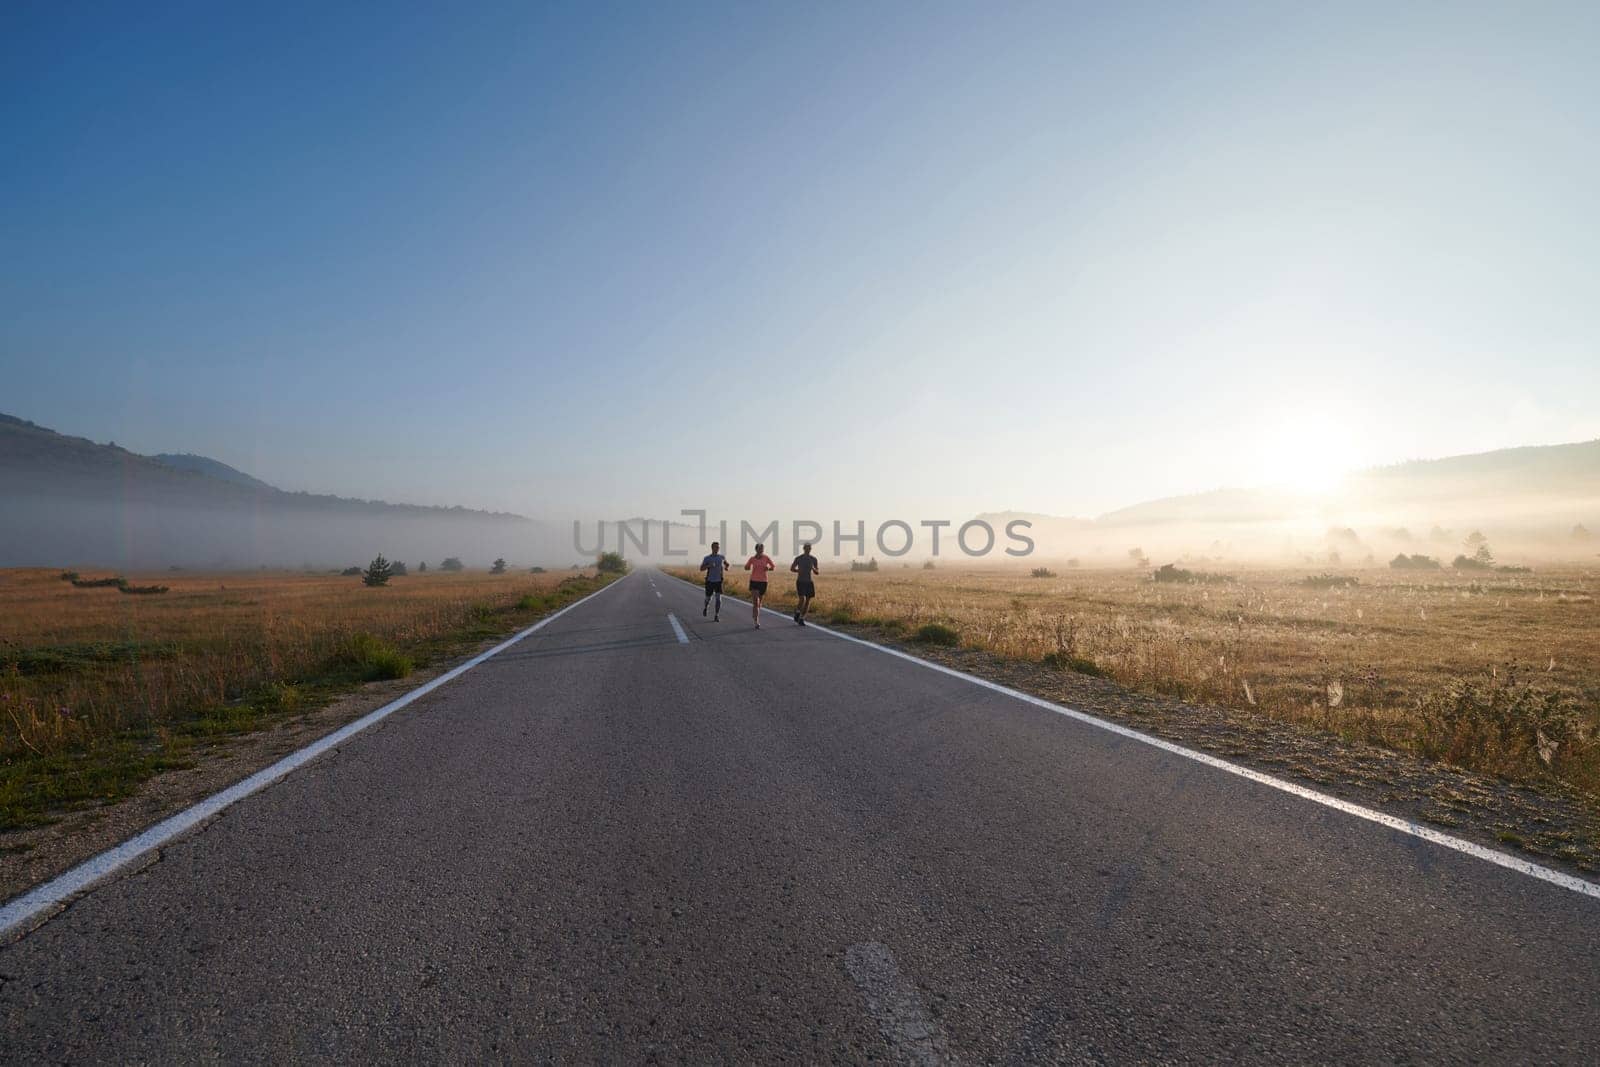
point(714, 565)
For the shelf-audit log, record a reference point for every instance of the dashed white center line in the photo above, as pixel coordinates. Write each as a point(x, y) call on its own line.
point(895, 1005)
point(677, 628)
point(658, 594)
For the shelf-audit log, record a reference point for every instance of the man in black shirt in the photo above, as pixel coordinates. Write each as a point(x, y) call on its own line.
point(804, 565)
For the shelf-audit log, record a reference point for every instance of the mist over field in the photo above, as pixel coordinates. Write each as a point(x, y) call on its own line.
point(72, 502)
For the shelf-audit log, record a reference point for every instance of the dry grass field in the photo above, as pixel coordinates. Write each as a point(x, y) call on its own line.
point(99, 689)
point(1494, 672)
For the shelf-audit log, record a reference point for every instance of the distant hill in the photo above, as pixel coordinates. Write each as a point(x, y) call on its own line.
point(185, 461)
point(71, 500)
point(1563, 470)
point(1485, 483)
point(1530, 497)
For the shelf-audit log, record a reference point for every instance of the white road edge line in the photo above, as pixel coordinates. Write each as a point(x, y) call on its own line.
point(64, 887)
point(1393, 822)
point(677, 628)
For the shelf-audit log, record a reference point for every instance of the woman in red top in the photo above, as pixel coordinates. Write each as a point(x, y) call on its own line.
point(758, 565)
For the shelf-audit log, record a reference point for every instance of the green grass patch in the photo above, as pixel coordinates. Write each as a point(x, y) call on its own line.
point(30, 789)
point(377, 660)
point(63, 659)
point(935, 633)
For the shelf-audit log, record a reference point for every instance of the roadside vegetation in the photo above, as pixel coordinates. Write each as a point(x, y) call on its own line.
point(98, 691)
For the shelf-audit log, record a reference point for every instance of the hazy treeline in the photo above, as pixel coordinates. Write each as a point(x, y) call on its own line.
point(49, 531)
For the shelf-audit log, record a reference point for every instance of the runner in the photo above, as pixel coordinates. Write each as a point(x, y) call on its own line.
point(713, 565)
point(805, 565)
point(759, 565)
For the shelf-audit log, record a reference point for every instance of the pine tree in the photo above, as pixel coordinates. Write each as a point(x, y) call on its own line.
point(377, 572)
point(499, 567)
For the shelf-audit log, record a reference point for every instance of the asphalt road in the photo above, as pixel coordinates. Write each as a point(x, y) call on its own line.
point(612, 844)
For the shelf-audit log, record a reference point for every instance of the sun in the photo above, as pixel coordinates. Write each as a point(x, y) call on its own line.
point(1308, 453)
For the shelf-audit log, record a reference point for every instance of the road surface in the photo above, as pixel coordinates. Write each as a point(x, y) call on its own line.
point(630, 838)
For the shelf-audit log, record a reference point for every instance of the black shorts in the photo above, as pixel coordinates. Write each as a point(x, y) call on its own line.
point(758, 588)
point(713, 587)
point(805, 588)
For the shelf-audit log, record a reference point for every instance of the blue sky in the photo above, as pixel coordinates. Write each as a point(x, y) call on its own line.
point(800, 260)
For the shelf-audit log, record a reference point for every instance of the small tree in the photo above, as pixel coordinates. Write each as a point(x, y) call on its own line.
point(451, 563)
point(611, 563)
point(397, 569)
point(422, 568)
point(499, 567)
point(535, 570)
point(378, 572)
point(1478, 545)
point(1137, 556)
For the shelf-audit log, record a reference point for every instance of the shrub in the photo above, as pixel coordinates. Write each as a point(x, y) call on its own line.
point(68, 576)
point(869, 565)
point(1171, 572)
point(99, 583)
point(350, 572)
point(1471, 563)
point(397, 569)
point(377, 572)
point(1505, 727)
point(1330, 581)
point(1042, 572)
point(1403, 562)
point(611, 563)
point(499, 567)
point(938, 634)
point(141, 590)
point(1063, 662)
point(1514, 570)
point(422, 568)
point(375, 659)
point(535, 570)
point(279, 696)
point(928, 566)
point(452, 563)
point(533, 602)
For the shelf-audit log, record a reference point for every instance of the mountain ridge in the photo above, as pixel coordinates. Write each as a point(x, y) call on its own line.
point(71, 501)
point(49, 462)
